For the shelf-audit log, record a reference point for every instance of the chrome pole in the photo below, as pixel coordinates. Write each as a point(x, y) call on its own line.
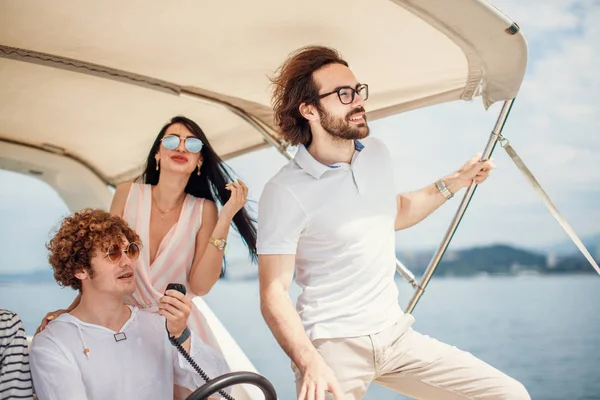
point(437, 257)
point(406, 274)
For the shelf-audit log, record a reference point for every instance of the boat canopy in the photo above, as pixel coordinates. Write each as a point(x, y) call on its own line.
point(86, 85)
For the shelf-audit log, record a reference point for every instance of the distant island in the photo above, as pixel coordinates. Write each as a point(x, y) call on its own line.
point(492, 260)
point(497, 260)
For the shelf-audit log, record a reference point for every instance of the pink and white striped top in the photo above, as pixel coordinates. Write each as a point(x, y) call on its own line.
point(174, 256)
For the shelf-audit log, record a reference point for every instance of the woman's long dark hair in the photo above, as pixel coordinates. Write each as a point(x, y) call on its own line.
point(210, 184)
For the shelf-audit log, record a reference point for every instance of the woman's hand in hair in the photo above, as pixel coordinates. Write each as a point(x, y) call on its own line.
point(239, 195)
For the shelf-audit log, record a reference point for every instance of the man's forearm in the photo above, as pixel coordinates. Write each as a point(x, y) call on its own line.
point(413, 207)
point(285, 324)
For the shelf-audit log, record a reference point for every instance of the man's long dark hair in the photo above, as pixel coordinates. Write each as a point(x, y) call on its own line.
point(294, 84)
point(210, 184)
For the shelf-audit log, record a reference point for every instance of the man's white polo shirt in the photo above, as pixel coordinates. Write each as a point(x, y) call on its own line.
point(339, 222)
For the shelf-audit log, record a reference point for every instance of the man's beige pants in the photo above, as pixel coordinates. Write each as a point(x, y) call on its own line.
point(413, 364)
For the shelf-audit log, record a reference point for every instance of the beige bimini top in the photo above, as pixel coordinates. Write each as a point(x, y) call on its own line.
point(86, 85)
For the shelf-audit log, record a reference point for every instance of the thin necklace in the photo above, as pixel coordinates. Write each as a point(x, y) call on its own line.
point(163, 213)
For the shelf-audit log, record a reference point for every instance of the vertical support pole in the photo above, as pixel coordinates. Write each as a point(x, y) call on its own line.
point(437, 257)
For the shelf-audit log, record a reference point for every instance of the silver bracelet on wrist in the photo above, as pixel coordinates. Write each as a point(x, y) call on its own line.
point(441, 186)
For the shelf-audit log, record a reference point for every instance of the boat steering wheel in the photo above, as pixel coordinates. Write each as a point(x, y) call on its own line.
point(234, 378)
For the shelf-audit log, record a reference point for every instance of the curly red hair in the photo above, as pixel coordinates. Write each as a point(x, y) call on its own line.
point(294, 84)
point(79, 237)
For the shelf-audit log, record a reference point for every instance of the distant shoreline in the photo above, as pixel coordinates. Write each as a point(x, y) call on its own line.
point(476, 262)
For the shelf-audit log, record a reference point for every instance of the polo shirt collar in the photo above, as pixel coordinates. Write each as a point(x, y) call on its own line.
point(308, 163)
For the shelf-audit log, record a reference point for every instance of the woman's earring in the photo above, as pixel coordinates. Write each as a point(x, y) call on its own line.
point(157, 163)
point(199, 165)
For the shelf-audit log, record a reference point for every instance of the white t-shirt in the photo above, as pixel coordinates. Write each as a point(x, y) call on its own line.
point(339, 222)
point(143, 366)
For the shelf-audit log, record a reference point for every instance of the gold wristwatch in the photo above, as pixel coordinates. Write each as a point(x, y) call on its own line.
point(218, 243)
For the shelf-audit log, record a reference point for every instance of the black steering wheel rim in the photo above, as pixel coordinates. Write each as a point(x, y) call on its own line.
point(234, 378)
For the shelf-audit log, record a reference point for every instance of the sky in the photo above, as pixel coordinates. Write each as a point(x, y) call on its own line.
point(554, 126)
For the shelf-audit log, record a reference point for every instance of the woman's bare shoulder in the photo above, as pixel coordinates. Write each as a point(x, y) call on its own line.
point(117, 206)
point(123, 188)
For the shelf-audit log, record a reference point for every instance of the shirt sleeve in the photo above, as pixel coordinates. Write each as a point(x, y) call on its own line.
point(54, 376)
point(15, 377)
point(281, 221)
point(208, 359)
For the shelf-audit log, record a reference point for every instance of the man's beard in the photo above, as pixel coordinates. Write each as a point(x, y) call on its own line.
point(341, 128)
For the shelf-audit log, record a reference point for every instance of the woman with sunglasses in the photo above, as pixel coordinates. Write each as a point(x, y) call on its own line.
point(172, 207)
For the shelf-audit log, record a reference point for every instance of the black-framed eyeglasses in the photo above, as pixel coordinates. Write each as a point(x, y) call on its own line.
point(346, 93)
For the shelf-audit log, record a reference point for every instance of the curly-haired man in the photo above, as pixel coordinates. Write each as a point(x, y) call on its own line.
point(104, 349)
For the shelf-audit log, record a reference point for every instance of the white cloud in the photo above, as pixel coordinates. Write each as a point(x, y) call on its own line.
point(553, 126)
point(560, 102)
point(538, 18)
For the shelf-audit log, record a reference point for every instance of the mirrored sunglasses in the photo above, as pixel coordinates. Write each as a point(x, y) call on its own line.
point(192, 144)
point(115, 253)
